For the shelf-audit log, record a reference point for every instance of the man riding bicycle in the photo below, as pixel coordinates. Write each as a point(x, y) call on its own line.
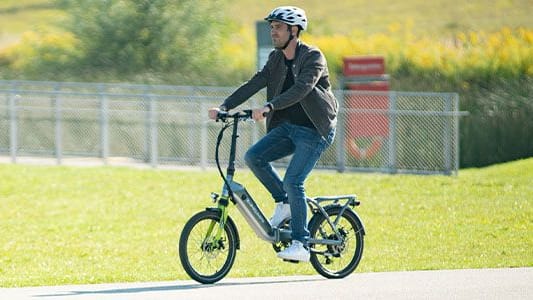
point(301, 116)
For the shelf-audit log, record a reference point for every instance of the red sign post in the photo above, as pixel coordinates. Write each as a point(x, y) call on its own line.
point(367, 121)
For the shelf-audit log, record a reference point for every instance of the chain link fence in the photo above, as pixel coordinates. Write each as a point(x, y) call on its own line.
point(168, 125)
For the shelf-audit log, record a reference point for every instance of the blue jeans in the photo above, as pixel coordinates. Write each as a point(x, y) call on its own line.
point(306, 145)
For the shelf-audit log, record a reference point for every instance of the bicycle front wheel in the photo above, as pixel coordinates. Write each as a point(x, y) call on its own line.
point(205, 255)
point(336, 261)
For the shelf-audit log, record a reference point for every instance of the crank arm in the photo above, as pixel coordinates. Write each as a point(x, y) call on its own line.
point(324, 242)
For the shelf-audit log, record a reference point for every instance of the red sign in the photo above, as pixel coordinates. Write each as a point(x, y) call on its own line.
point(363, 66)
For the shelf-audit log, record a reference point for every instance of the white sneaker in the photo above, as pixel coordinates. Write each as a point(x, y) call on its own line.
point(296, 251)
point(281, 212)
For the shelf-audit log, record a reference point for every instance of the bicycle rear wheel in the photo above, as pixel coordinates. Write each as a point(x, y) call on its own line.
point(336, 261)
point(206, 258)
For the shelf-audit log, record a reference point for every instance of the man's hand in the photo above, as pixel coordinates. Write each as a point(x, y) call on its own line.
point(213, 112)
point(258, 114)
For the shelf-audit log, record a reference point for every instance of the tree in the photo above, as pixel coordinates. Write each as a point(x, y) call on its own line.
point(132, 36)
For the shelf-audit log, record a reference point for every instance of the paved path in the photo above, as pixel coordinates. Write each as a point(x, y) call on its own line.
point(515, 283)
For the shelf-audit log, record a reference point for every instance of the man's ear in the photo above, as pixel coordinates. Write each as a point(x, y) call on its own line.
point(294, 30)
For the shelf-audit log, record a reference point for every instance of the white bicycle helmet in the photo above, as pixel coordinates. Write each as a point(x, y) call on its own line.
point(290, 15)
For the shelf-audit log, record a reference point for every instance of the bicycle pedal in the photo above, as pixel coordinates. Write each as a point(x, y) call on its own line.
point(291, 261)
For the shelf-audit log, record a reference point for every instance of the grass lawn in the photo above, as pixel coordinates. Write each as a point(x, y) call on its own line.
point(64, 225)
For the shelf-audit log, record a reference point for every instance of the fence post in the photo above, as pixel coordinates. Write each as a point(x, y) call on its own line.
point(341, 132)
point(58, 120)
point(447, 135)
point(104, 125)
point(203, 138)
point(255, 130)
point(193, 134)
point(456, 131)
point(392, 133)
point(13, 142)
point(153, 131)
point(146, 104)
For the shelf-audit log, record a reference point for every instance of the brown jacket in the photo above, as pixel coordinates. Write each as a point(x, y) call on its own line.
point(311, 87)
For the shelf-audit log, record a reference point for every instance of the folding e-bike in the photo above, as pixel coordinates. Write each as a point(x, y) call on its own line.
point(209, 240)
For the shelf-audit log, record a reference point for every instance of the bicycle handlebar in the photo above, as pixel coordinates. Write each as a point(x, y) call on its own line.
point(240, 115)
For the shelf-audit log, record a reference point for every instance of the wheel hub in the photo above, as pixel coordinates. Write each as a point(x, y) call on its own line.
point(337, 250)
point(212, 248)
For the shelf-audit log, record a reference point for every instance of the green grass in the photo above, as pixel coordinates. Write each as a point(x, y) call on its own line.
point(64, 225)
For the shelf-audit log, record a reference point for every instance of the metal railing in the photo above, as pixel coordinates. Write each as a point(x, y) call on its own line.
point(167, 125)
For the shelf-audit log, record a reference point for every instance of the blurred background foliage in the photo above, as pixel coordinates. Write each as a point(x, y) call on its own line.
point(131, 40)
point(481, 49)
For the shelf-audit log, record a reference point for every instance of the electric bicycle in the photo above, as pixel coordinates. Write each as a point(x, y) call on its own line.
point(209, 241)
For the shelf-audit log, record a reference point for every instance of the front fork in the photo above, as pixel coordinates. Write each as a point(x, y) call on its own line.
point(223, 202)
point(215, 229)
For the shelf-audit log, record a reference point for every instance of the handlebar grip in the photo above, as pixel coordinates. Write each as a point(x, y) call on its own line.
point(221, 115)
point(247, 113)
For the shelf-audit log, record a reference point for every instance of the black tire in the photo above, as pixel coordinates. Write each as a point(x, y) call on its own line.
point(336, 261)
point(207, 260)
